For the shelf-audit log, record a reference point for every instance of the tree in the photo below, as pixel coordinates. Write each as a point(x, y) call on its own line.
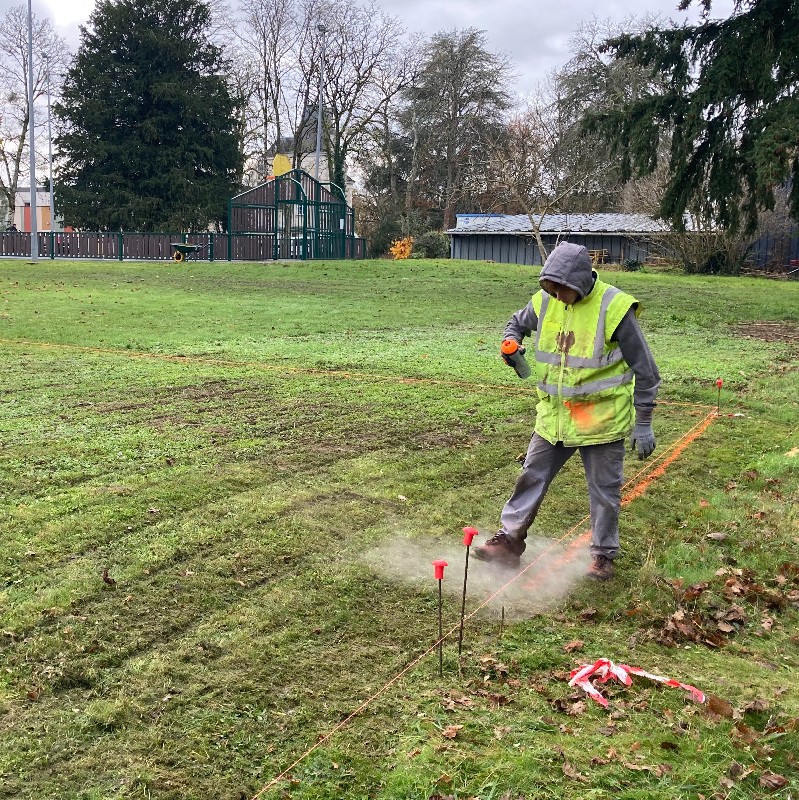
point(268, 35)
point(364, 70)
point(532, 166)
point(590, 82)
point(49, 62)
point(730, 103)
point(149, 134)
point(454, 105)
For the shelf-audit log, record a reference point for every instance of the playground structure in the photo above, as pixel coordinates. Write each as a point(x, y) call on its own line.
point(294, 216)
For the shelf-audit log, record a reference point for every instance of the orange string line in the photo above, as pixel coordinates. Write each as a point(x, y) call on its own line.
point(651, 472)
point(329, 373)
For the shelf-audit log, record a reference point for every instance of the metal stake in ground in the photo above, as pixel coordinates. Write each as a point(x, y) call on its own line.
point(719, 384)
point(468, 535)
point(439, 575)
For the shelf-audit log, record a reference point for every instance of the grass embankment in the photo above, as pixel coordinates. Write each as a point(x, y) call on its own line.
point(217, 523)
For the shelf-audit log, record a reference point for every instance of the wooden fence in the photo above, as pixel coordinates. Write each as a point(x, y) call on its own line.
point(159, 246)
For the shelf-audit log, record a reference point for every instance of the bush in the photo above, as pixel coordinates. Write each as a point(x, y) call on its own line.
point(432, 244)
point(631, 265)
point(401, 249)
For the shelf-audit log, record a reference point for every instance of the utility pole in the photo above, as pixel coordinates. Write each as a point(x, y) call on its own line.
point(31, 137)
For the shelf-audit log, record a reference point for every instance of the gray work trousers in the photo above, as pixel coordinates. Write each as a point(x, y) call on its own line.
point(604, 472)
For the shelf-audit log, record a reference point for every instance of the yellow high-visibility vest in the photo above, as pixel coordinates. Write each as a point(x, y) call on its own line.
point(585, 387)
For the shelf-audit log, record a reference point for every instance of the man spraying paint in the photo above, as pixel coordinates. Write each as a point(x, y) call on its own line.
point(597, 383)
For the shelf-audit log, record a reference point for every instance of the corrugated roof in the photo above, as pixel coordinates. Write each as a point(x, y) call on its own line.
point(558, 223)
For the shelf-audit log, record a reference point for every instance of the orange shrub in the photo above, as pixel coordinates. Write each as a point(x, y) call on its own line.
point(401, 248)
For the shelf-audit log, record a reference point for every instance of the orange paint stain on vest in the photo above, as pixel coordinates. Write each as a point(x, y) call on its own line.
point(582, 412)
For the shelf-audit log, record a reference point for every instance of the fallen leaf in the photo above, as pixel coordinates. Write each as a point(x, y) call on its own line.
point(656, 769)
point(579, 707)
point(772, 781)
point(717, 536)
point(746, 734)
point(718, 706)
point(738, 771)
point(570, 772)
point(792, 453)
point(575, 644)
point(107, 578)
point(451, 731)
point(703, 503)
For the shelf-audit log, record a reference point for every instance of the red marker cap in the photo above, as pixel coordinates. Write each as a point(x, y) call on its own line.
point(719, 382)
point(439, 565)
point(469, 534)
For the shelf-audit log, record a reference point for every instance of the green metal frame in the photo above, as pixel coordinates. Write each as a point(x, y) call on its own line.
point(304, 218)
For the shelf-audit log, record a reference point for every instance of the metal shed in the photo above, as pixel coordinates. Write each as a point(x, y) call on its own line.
point(508, 238)
point(293, 216)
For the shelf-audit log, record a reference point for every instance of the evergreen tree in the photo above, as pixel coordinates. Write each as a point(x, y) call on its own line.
point(729, 102)
point(148, 134)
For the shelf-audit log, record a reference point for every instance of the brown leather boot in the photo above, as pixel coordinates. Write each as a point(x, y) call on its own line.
point(601, 568)
point(500, 549)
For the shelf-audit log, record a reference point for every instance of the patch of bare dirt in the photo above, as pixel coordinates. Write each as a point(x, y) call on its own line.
point(770, 331)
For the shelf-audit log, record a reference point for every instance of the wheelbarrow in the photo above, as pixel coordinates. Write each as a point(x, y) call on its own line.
point(183, 251)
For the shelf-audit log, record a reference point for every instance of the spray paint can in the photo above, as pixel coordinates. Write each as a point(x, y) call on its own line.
point(513, 353)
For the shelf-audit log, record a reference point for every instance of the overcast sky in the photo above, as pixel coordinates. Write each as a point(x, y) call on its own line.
point(534, 34)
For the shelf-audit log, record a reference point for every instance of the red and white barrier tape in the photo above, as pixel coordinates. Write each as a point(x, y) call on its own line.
point(603, 670)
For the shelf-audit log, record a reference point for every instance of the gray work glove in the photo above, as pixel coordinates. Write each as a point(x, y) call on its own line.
point(642, 438)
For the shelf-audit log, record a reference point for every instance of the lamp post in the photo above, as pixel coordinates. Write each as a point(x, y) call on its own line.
point(31, 126)
point(322, 31)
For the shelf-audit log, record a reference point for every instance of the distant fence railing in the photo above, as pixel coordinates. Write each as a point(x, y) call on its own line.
point(159, 246)
point(772, 252)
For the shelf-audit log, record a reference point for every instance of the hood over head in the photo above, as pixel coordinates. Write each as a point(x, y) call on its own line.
point(569, 264)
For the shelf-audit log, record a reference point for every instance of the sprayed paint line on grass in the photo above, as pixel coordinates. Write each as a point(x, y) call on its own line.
point(647, 475)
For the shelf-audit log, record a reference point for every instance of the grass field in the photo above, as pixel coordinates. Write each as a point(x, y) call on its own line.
point(222, 488)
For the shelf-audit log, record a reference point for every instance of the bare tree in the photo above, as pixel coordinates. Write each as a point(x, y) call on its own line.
point(51, 55)
point(592, 82)
point(365, 68)
point(531, 166)
point(263, 52)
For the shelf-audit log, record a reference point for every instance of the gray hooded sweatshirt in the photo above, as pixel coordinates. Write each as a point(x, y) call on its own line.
point(570, 265)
